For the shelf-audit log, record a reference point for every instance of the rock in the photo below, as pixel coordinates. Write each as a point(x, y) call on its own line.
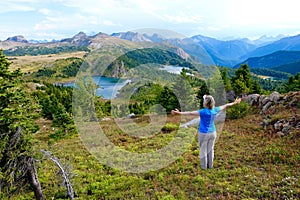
point(106, 119)
point(253, 99)
point(265, 101)
point(278, 126)
point(297, 125)
point(131, 115)
point(182, 53)
point(293, 103)
point(267, 106)
point(119, 70)
point(280, 133)
point(275, 96)
point(230, 95)
point(286, 127)
point(260, 101)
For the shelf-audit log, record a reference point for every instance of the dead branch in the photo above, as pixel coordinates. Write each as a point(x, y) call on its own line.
point(65, 175)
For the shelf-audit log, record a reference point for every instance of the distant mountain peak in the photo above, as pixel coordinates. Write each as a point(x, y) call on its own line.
point(17, 38)
point(100, 35)
point(80, 39)
point(264, 40)
point(131, 36)
point(273, 38)
point(80, 34)
point(202, 38)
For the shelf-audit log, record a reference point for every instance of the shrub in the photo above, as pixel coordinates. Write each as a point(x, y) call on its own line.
point(238, 111)
point(169, 127)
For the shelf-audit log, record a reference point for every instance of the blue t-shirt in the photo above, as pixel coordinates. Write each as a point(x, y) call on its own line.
point(207, 118)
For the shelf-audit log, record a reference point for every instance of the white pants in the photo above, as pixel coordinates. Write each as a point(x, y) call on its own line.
point(206, 144)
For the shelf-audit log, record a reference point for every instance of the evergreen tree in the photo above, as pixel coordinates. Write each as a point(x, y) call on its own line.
point(84, 97)
point(293, 84)
point(216, 88)
point(64, 121)
point(184, 93)
point(17, 167)
point(202, 90)
point(256, 88)
point(199, 86)
point(226, 79)
point(168, 99)
point(242, 82)
point(240, 86)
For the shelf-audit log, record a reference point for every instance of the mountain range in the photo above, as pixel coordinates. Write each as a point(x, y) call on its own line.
point(280, 53)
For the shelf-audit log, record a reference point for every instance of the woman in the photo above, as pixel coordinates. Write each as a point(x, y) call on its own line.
point(207, 129)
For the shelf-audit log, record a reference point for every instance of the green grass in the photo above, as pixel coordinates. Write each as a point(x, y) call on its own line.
point(249, 164)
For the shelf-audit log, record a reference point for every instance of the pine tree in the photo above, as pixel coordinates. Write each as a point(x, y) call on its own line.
point(168, 99)
point(226, 80)
point(17, 164)
point(293, 84)
point(84, 97)
point(216, 88)
point(242, 82)
point(185, 94)
point(256, 88)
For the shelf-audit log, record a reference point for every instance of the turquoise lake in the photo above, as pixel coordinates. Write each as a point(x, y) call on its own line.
point(109, 87)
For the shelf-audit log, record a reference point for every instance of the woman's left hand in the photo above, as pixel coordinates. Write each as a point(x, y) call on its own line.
point(237, 101)
point(176, 111)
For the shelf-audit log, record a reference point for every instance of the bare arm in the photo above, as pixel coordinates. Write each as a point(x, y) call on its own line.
point(237, 101)
point(176, 111)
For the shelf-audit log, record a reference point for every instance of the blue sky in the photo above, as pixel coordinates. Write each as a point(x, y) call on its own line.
point(57, 19)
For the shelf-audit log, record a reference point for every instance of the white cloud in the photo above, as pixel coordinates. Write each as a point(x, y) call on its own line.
point(45, 11)
point(76, 21)
point(109, 23)
point(193, 16)
point(183, 17)
point(22, 1)
point(44, 26)
point(92, 7)
point(6, 7)
point(213, 28)
point(137, 10)
point(17, 5)
point(267, 12)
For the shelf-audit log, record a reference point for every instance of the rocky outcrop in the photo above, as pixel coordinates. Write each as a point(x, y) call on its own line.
point(283, 126)
point(182, 53)
point(117, 70)
point(264, 102)
point(268, 105)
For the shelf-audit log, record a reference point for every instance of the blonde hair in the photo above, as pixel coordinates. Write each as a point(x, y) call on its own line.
point(208, 102)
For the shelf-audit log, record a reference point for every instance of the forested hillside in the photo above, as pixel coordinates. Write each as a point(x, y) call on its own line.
point(278, 60)
point(138, 57)
point(292, 68)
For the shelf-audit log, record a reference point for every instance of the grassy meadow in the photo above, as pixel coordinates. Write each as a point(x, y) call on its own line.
point(250, 163)
point(30, 64)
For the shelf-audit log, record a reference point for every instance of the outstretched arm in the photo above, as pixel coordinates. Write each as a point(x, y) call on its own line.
point(176, 111)
point(237, 101)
